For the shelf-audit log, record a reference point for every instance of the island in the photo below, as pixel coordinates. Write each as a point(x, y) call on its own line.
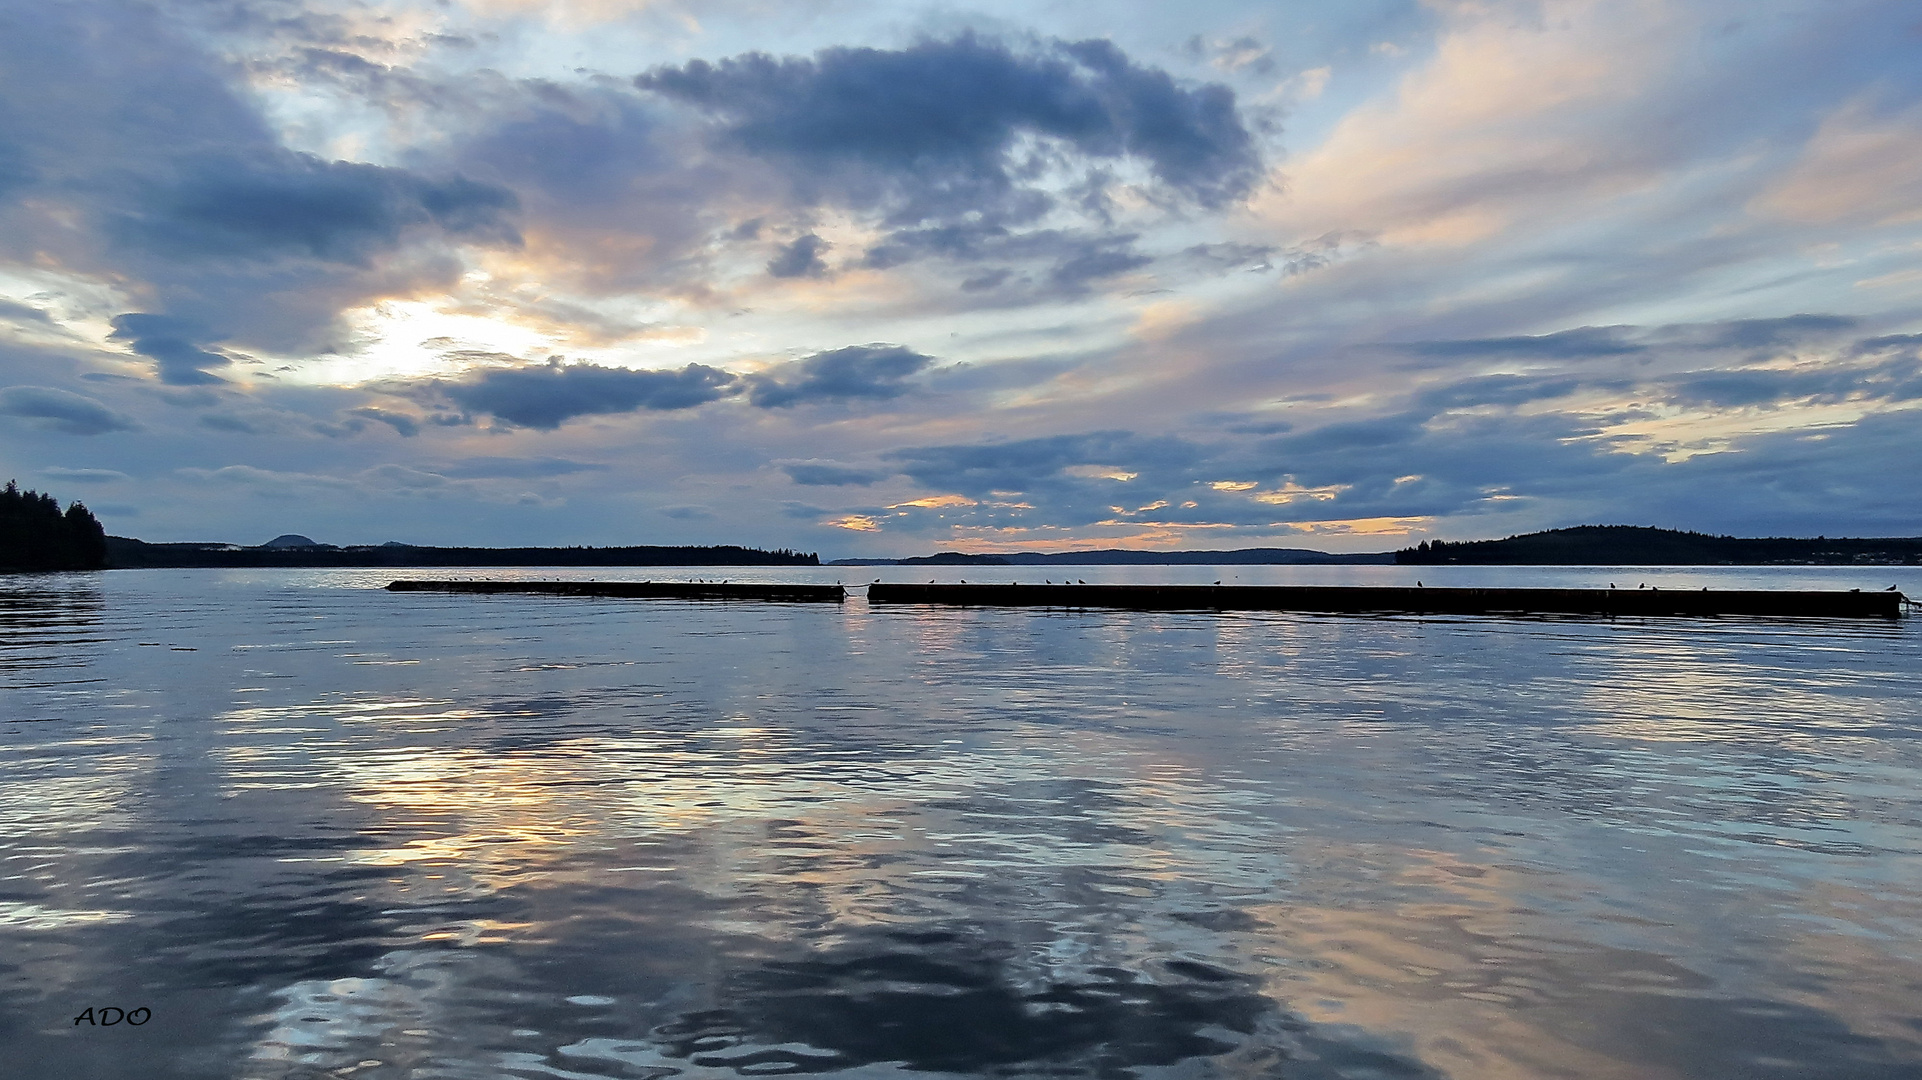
point(1633, 545)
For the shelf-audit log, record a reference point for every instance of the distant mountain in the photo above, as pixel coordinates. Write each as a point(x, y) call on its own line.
point(127, 553)
point(1129, 557)
point(1634, 545)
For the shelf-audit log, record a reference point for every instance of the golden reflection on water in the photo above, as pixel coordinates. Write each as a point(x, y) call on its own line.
point(551, 833)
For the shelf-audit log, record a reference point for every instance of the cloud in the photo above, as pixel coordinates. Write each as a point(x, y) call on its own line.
point(1859, 166)
point(1894, 380)
point(170, 343)
point(1509, 390)
point(1236, 54)
point(947, 127)
point(688, 512)
point(61, 410)
point(275, 203)
point(548, 395)
point(15, 312)
point(407, 426)
point(238, 425)
point(270, 483)
point(137, 158)
point(982, 469)
point(802, 258)
point(518, 468)
point(1580, 343)
point(1075, 258)
point(1767, 333)
point(85, 476)
point(858, 371)
point(816, 473)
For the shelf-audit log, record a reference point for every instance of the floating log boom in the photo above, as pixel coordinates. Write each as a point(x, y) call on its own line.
point(1358, 599)
point(641, 590)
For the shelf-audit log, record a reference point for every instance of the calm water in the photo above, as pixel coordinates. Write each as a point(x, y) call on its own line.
point(321, 830)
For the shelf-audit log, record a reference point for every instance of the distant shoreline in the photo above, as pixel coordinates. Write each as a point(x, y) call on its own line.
point(1584, 545)
point(1131, 557)
point(125, 553)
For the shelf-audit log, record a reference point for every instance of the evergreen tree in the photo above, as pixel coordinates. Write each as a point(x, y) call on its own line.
point(36, 535)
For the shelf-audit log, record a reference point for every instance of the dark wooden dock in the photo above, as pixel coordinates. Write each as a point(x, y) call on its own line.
point(641, 590)
point(1361, 599)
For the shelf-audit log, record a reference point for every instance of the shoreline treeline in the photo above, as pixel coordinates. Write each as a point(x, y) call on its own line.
point(1636, 545)
point(125, 553)
point(35, 534)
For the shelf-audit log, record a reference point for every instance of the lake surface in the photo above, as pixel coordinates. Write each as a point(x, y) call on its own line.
point(322, 830)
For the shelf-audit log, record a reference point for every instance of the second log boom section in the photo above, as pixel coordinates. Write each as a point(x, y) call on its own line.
point(1360, 599)
point(641, 590)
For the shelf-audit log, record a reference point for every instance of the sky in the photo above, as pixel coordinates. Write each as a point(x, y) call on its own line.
point(882, 279)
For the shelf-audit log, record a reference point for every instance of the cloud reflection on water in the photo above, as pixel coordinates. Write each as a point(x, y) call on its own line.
point(608, 838)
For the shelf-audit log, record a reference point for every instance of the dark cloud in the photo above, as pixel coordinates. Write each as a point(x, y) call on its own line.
point(1232, 255)
point(857, 371)
point(1794, 483)
point(548, 395)
point(1898, 379)
point(1028, 464)
point(1771, 333)
point(1403, 466)
point(22, 312)
point(802, 258)
point(1580, 343)
point(831, 474)
point(1887, 343)
point(171, 344)
point(236, 425)
point(16, 171)
point(517, 468)
point(1498, 390)
point(1096, 260)
point(575, 148)
point(61, 410)
point(944, 128)
point(1372, 434)
point(993, 279)
point(1075, 258)
point(275, 203)
point(407, 426)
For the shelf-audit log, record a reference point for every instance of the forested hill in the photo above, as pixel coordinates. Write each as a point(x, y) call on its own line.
point(1633, 545)
point(127, 553)
point(35, 534)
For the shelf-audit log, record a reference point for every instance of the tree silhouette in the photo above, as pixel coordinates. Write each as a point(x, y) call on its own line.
point(36, 535)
